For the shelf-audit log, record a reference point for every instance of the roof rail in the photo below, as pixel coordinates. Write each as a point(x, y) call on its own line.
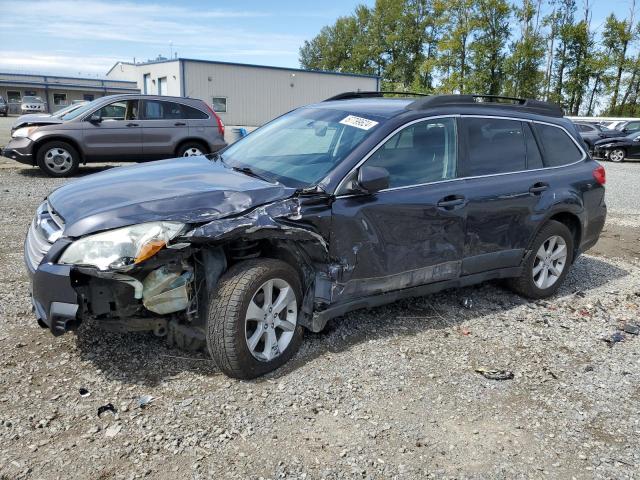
point(351, 95)
point(526, 104)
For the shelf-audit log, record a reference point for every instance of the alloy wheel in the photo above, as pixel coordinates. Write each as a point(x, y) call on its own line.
point(58, 160)
point(192, 152)
point(616, 155)
point(271, 319)
point(550, 261)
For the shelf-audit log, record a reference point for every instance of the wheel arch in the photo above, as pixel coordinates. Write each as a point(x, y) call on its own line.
point(197, 140)
point(57, 138)
point(573, 222)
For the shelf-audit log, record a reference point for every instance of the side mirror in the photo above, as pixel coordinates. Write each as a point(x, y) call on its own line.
point(373, 179)
point(626, 130)
point(95, 118)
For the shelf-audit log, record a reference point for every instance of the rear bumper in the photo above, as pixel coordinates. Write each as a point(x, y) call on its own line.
point(20, 150)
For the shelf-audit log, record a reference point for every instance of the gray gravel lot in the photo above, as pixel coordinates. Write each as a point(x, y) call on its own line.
point(389, 392)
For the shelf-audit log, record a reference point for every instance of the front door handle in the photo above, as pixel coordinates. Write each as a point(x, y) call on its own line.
point(451, 201)
point(133, 125)
point(179, 124)
point(538, 187)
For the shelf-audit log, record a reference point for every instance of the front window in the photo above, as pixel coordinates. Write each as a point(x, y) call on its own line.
point(424, 152)
point(121, 110)
point(301, 147)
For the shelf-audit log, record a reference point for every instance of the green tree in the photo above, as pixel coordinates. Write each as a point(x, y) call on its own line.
point(458, 23)
point(616, 37)
point(488, 46)
point(524, 76)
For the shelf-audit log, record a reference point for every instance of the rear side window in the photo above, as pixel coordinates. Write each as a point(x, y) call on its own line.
point(191, 113)
point(558, 148)
point(159, 110)
point(421, 153)
point(495, 146)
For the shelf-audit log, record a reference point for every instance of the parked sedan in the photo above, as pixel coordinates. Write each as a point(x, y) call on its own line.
point(591, 133)
point(33, 105)
point(118, 128)
point(617, 149)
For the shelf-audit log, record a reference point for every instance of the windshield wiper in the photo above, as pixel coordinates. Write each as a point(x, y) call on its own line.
point(246, 170)
point(249, 171)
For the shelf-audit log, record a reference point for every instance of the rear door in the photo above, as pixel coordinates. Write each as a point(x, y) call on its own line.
point(163, 127)
point(501, 190)
point(411, 233)
point(115, 135)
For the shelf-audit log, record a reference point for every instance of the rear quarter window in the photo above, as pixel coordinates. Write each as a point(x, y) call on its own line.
point(191, 113)
point(558, 147)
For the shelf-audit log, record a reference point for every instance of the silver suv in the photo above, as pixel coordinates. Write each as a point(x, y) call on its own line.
point(118, 128)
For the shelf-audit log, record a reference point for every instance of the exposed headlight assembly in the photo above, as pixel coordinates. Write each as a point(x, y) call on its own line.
point(123, 247)
point(23, 132)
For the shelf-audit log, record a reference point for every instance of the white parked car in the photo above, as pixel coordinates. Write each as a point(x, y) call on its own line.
point(33, 105)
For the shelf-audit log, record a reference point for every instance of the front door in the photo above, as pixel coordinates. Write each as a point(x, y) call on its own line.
point(113, 132)
point(411, 233)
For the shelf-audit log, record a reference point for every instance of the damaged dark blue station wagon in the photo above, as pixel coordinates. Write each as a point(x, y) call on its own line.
point(353, 202)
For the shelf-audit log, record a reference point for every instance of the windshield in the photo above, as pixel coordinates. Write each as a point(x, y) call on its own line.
point(32, 99)
point(301, 147)
point(66, 109)
point(79, 111)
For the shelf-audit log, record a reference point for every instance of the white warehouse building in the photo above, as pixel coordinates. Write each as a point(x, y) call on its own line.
point(243, 95)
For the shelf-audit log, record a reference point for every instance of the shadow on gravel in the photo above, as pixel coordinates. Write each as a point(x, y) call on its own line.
point(138, 358)
point(142, 359)
point(37, 173)
point(439, 311)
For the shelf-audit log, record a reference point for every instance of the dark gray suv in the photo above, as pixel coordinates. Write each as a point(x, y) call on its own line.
point(118, 128)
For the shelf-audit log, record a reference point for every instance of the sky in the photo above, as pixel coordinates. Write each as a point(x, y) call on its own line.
point(86, 37)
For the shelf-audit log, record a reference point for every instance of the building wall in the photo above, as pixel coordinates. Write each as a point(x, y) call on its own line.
point(256, 95)
point(169, 70)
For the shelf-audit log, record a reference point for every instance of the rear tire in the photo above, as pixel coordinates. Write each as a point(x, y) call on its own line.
point(191, 149)
point(58, 159)
point(241, 314)
point(547, 264)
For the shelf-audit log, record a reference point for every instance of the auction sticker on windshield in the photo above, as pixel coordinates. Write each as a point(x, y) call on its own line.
point(358, 122)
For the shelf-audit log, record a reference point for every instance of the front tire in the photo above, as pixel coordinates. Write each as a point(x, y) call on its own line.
point(252, 326)
point(547, 264)
point(58, 159)
point(617, 155)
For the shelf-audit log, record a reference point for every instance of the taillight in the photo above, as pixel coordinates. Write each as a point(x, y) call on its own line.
point(218, 119)
point(600, 175)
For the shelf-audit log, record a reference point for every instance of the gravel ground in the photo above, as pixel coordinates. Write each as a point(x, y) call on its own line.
point(389, 392)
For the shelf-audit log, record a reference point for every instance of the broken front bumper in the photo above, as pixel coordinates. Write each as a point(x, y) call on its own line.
point(54, 299)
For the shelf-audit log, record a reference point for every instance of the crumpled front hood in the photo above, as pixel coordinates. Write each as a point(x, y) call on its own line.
point(190, 190)
point(35, 119)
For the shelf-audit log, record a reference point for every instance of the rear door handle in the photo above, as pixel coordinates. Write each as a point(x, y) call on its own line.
point(132, 125)
point(179, 124)
point(451, 201)
point(538, 187)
